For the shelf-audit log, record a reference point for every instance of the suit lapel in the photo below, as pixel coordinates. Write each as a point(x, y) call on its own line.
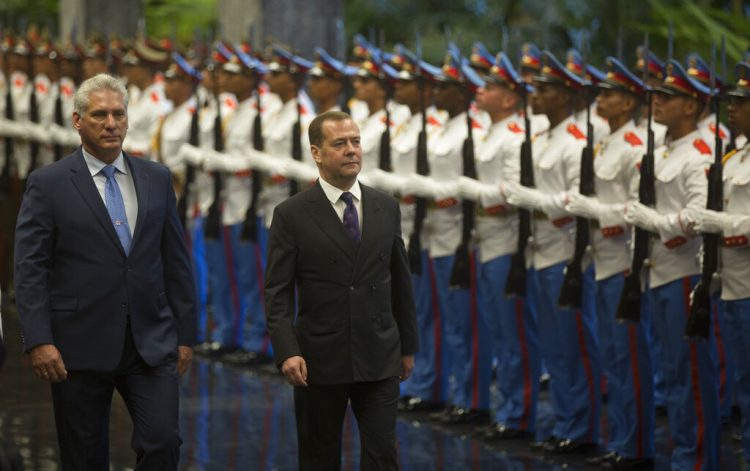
point(370, 220)
point(327, 220)
point(84, 183)
point(141, 182)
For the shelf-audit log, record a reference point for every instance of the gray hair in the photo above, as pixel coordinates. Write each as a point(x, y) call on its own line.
point(95, 84)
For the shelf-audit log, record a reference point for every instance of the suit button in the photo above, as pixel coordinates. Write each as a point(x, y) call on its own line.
point(372, 288)
point(124, 305)
point(332, 261)
point(351, 288)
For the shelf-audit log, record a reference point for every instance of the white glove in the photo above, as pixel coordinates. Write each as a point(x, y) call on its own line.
point(469, 188)
point(12, 129)
point(585, 206)
point(191, 154)
point(645, 217)
point(38, 133)
point(224, 162)
point(301, 171)
point(713, 221)
point(387, 181)
point(531, 198)
point(425, 186)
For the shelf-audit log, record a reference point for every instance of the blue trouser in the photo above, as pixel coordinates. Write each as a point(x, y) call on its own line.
point(624, 353)
point(660, 391)
point(200, 273)
point(724, 360)
point(425, 379)
point(737, 335)
point(690, 380)
point(249, 267)
point(462, 329)
point(511, 323)
point(224, 291)
point(570, 351)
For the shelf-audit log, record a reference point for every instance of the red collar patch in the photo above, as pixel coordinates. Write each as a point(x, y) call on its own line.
point(633, 139)
point(575, 132)
point(702, 147)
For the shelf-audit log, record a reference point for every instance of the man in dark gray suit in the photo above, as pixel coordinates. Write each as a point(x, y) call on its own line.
point(104, 288)
point(338, 247)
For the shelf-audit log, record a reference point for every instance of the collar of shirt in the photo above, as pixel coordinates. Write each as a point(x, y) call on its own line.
point(95, 165)
point(690, 137)
point(334, 194)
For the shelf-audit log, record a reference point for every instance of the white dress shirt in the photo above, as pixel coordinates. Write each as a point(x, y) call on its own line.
point(334, 196)
point(124, 180)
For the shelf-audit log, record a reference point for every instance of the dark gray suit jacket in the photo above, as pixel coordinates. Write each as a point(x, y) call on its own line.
point(356, 314)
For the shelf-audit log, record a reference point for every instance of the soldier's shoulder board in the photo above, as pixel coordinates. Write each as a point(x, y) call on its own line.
point(575, 132)
point(633, 139)
point(514, 127)
point(702, 146)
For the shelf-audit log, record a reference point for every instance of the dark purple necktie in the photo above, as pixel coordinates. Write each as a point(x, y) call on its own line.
point(351, 218)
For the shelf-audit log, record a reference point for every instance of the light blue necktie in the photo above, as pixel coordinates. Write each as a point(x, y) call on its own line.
point(116, 207)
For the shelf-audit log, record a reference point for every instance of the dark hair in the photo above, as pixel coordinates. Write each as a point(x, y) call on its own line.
point(315, 131)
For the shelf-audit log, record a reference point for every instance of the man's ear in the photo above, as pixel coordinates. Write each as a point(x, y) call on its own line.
point(315, 150)
point(76, 121)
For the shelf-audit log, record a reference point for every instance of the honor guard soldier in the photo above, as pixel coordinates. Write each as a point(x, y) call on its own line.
point(95, 57)
point(372, 86)
point(327, 81)
point(414, 82)
point(733, 224)
point(361, 52)
point(45, 91)
point(21, 94)
point(285, 131)
point(623, 347)
point(697, 68)
point(680, 166)
point(148, 105)
point(511, 320)
point(530, 64)
point(70, 73)
point(460, 317)
point(216, 107)
point(585, 99)
point(182, 126)
point(235, 259)
point(566, 335)
point(654, 78)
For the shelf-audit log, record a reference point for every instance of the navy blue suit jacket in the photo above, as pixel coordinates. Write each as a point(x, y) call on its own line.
point(76, 288)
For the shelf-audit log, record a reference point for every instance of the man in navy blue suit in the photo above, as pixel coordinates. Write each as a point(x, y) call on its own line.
point(104, 288)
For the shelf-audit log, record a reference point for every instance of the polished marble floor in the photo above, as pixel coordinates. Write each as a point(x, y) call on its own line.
point(240, 419)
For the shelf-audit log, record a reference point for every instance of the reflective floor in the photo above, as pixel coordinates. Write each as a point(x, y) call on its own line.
point(238, 419)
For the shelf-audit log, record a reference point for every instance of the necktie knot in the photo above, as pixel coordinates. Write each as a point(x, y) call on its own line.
point(347, 197)
point(109, 171)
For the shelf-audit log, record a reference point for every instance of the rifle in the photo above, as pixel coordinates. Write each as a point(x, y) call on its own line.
point(461, 272)
point(516, 282)
point(699, 319)
point(34, 118)
point(213, 218)
point(296, 145)
point(250, 226)
point(384, 160)
point(423, 168)
point(629, 308)
point(183, 209)
point(58, 115)
point(5, 178)
point(571, 293)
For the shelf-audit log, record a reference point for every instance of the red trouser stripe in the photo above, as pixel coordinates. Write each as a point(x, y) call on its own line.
point(634, 365)
point(234, 289)
point(527, 386)
point(721, 351)
point(436, 329)
point(695, 383)
point(587, 369)
point(473, 309)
